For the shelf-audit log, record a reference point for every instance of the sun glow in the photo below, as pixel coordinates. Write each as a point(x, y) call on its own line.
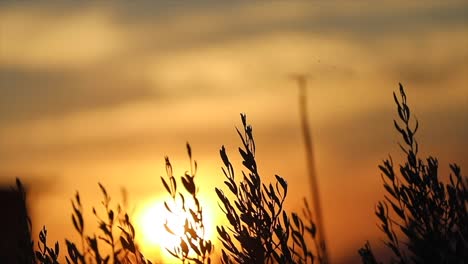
point(152, 235)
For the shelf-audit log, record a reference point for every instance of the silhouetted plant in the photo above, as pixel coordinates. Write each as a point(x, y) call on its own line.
point(74, 255)
point(367, 256)
point(122, 248)
point(259, 229)
point(193, 247)
point(131, 253)
point(424, 219)
point(46, 254)
point(26, 253)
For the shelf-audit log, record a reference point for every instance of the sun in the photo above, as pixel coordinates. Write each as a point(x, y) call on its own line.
point(151, 223)
point(151, 234)
point(153, 237)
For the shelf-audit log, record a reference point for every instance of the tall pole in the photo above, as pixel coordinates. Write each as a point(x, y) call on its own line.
point(302, 83)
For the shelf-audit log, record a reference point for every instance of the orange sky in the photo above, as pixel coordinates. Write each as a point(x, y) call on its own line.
point(103, 92)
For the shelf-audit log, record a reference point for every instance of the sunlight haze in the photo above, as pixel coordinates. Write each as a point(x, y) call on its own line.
point(102, 92)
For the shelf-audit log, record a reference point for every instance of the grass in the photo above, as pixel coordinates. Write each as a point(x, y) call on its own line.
point(423, 218)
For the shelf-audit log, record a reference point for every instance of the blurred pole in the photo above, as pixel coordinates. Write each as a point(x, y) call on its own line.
point(302, 83)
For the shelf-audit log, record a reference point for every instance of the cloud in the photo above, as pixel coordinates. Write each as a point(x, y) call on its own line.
point(28, 94)
point(34, 37)
point(432, 73)
point(80, 34)
point(95, 58)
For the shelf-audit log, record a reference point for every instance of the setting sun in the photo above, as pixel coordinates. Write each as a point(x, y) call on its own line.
point(152, 235)
point(151, 223)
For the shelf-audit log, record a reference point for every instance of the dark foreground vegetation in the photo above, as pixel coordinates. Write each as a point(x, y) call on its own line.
point(423, 219)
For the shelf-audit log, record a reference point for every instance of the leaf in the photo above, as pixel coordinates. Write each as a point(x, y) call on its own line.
point(220, 194)
point(75, 224)
point(183, 201)
point(103, 189)
point(222, 153)
point(232, 187)
point(194, 215)
point(244, 119)
point(57, 248)
point(165, 185)
point(397, 210)
point(282, 182)
point(295, 219)
point(396, 101)
point(194, 247)
point(167, 207)
point(189, 150)
point(245, 156)
point(390, 190)
point(184, 247)
point(285, 218)
point(398, 127)
point(168, 229)
point(128, 244)
point(111, 215)
point(274, 196)
point(189, 184)
point(77, 197)
point(173, 185)
point(402, 92)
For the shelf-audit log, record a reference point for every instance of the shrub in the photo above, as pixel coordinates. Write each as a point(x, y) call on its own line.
point(259, 229)
point(116, 231)
point(123, 248)
point(423, 218)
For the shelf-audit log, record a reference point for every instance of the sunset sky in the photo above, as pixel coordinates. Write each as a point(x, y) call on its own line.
point(102, 92)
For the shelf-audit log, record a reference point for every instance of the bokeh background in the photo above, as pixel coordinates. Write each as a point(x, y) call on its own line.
point(101, 92)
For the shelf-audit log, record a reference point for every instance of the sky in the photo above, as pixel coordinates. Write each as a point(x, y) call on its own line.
point(102, 92)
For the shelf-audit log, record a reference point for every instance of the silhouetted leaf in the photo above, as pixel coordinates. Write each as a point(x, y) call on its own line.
point(165, 185)
point(189, 150)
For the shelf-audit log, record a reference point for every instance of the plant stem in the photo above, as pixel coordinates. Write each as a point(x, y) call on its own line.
point(302, 83)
